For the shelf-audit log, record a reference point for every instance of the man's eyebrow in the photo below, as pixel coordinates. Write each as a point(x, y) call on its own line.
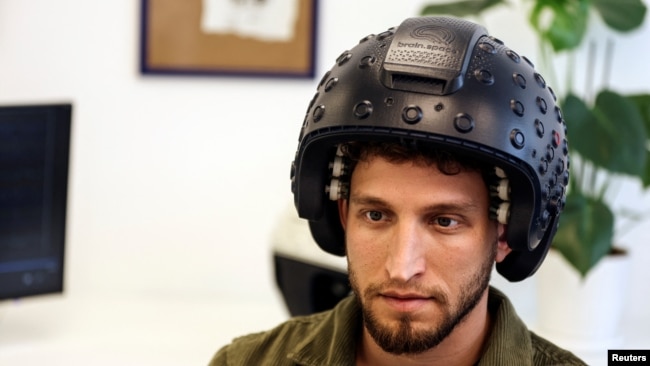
point(367, 200)
point(456, 206)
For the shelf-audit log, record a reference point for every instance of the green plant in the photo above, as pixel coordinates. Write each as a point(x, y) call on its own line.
point(609, 134)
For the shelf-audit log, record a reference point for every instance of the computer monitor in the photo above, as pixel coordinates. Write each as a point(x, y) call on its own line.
point(34, 159)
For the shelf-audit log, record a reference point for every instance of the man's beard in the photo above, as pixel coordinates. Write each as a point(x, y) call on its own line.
point(407, 340)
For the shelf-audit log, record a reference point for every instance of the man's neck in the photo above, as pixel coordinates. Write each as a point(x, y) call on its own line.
point(463, 347)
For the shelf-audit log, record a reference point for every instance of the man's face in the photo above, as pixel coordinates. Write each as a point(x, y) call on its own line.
point(420, 250)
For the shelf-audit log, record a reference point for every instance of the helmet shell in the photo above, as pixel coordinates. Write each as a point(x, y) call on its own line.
point(445, 82)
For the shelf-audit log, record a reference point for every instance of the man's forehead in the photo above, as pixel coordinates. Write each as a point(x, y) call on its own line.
point(380, 180)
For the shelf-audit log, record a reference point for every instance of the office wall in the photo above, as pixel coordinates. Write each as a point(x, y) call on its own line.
point(178, 182)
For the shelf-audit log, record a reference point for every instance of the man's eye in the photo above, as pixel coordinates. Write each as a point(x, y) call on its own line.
point(374, 215)
point(445, 221)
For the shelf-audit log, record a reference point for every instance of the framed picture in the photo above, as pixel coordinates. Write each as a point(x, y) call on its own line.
point(229, 37)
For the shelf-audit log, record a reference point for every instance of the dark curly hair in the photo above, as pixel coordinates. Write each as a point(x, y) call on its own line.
point(395, 152)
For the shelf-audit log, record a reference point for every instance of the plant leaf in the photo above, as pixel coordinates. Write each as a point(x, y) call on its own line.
point(646, 175)
point(460, 8)
point(567, 26)
point(586, 231)
point(612, 135)
point(627, 133)
point(579, 118)
point(621, 15)
point(642, 101)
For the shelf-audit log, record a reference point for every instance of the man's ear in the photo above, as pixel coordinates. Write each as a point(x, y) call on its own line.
point(502, 245)
point(343, 211)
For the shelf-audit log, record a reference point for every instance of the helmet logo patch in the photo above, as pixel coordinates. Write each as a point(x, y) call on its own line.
point(434, 33)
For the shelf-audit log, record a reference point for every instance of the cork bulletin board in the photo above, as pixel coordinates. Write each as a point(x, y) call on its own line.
point(228, 37)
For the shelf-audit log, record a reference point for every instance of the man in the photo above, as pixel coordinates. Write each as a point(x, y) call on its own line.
point(430, 152)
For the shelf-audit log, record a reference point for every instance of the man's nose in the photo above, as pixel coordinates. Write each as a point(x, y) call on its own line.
point(406, 254)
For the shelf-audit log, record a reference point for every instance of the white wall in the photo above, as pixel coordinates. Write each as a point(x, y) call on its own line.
point(177, 182)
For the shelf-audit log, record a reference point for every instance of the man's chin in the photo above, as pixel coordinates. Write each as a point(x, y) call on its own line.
point(404, 332)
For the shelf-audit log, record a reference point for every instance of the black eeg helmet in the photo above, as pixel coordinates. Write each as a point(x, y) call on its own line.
point(441, 81)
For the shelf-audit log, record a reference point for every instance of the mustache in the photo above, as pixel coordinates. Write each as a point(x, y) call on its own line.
point(394, 285)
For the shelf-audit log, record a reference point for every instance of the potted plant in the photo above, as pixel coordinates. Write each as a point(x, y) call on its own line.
point(609, 132)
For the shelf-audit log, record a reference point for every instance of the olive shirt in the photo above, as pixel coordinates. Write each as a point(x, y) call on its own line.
point(330, 338)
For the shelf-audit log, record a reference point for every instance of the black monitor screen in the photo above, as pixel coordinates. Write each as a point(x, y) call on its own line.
point(34, 151)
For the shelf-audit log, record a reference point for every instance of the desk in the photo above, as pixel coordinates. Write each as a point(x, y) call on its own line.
point(149, 329)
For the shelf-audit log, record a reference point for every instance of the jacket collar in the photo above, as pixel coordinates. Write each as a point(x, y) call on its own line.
point(334, 342)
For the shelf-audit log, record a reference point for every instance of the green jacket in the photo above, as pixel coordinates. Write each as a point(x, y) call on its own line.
point(330, 338)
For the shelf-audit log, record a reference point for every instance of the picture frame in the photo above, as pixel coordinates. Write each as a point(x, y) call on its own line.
point(275, 38)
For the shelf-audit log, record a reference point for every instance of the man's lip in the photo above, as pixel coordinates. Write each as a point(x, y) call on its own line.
point(405, 295)
point(405, 302)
